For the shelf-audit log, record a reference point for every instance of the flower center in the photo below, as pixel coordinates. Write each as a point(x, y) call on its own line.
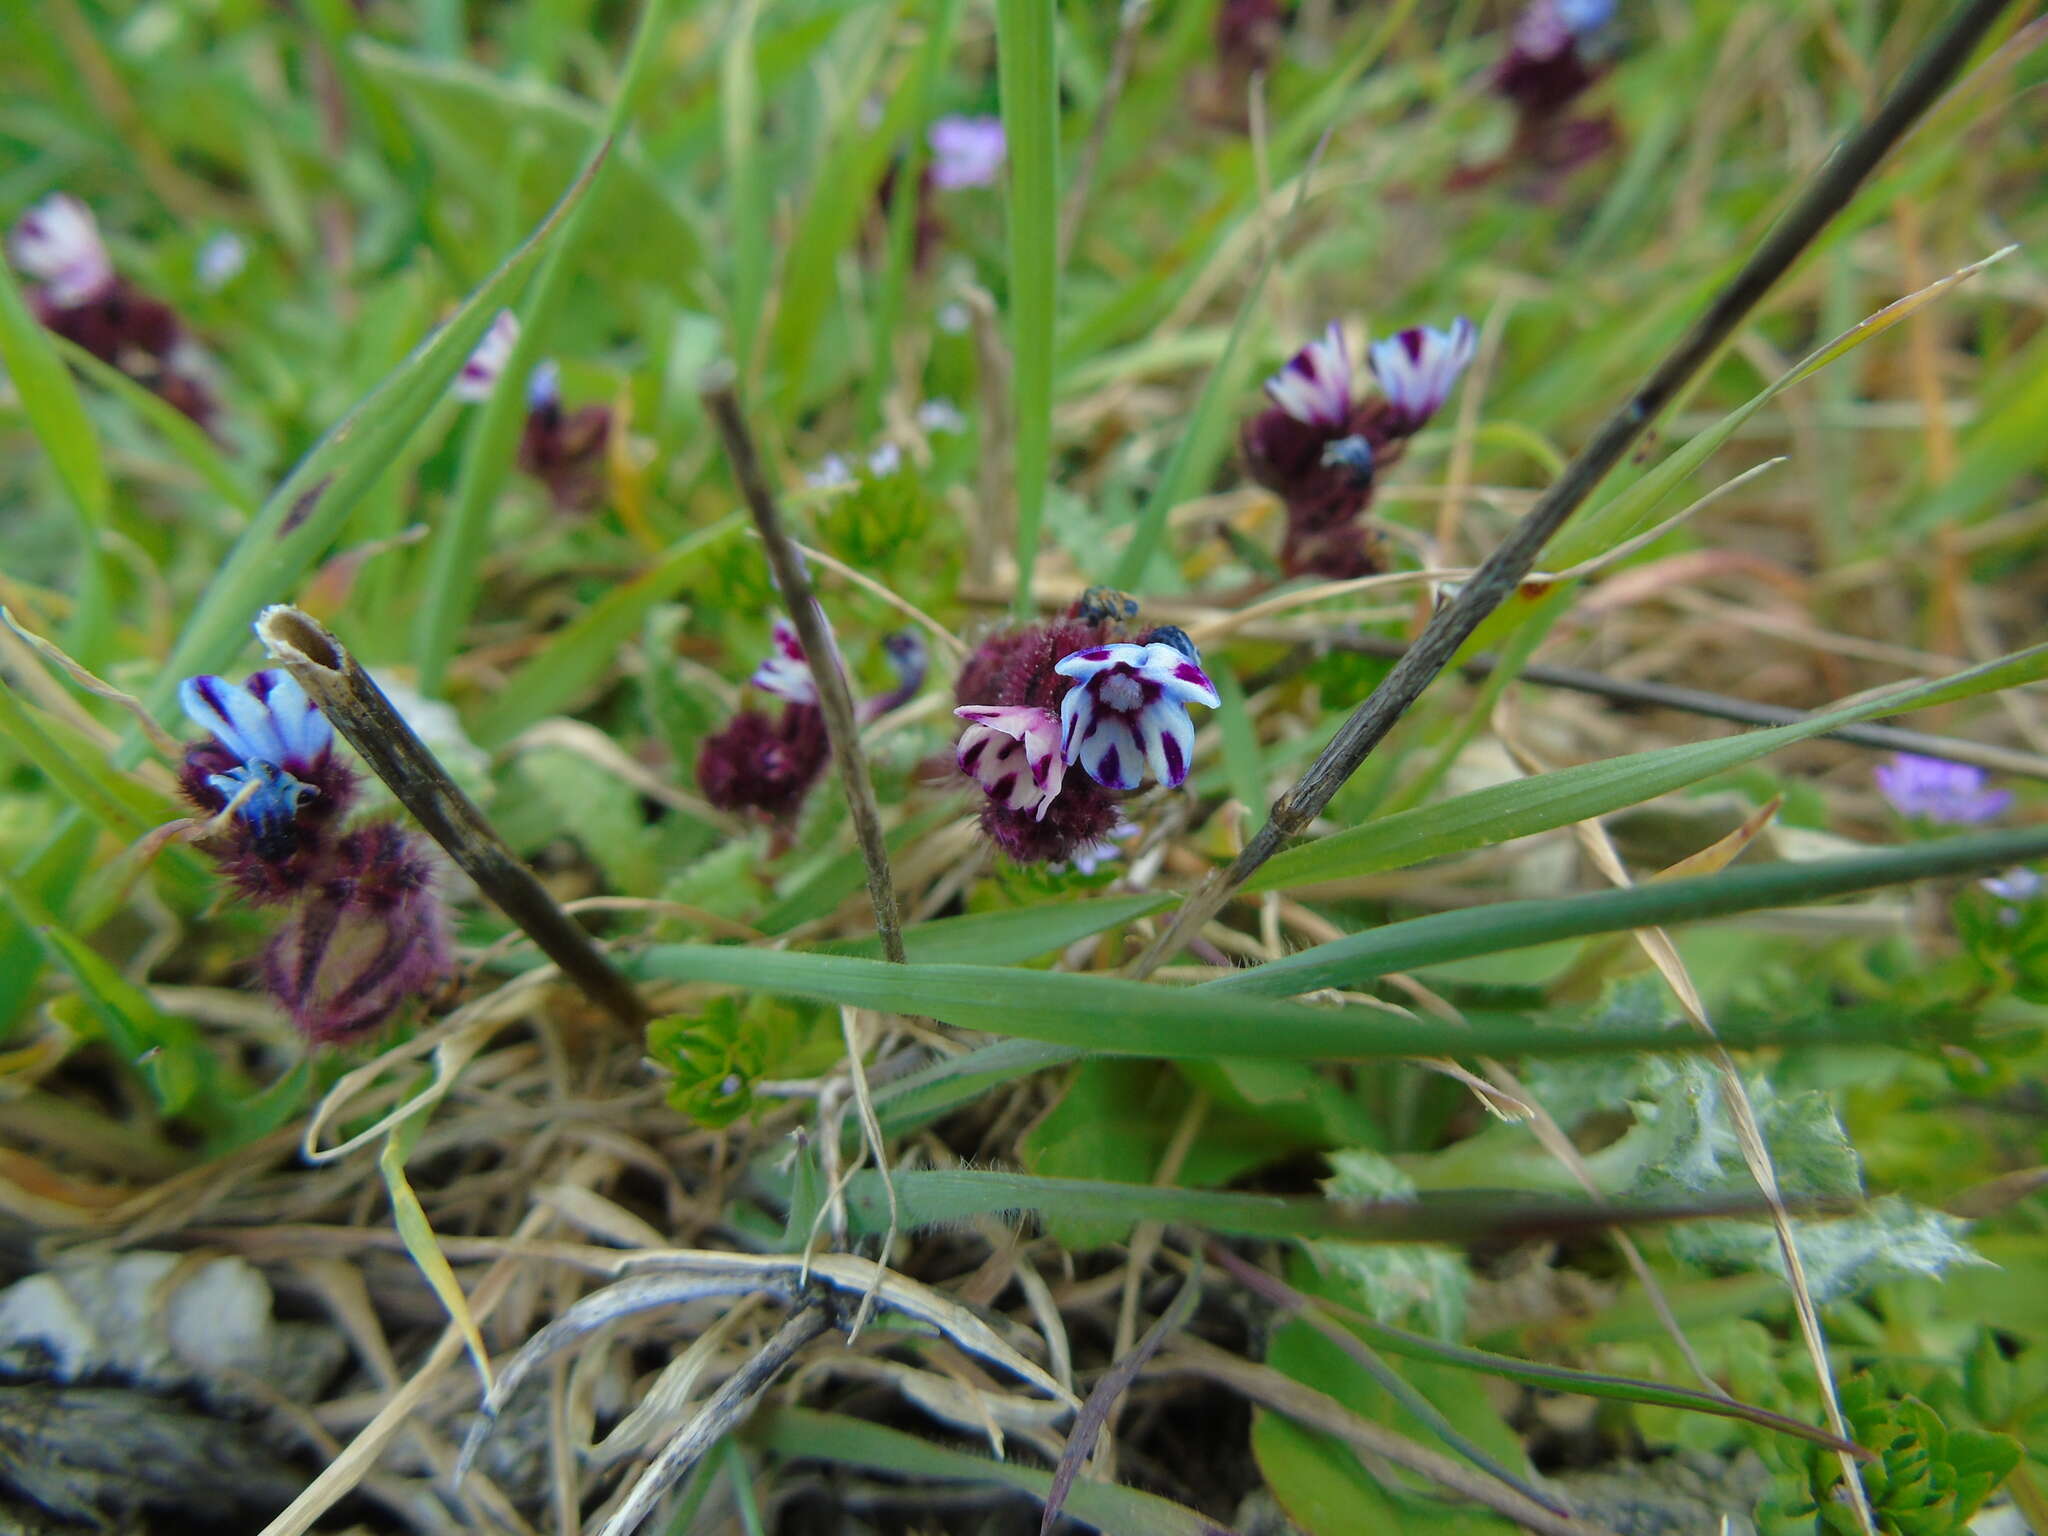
point(1121, 692)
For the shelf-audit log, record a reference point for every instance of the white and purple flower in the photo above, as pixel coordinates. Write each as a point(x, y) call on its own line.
point(480, 373)
point(279, 741)
point(58, 244)
point(1948, 794)
point(787, 671)
point(1013, 752)
point(966, 151)
point(1417, 368)
point(1314, 387)
point(1128, 711)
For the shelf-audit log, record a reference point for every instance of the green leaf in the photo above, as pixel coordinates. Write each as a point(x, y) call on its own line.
point(1011, 937)
point(602, 813)
point(1029, 79)
point(1443, 936)
point(801, 1435)
point(181, 434)
point(56, 414)
point(575, 659)
point(1501, 812)
point(455, 555)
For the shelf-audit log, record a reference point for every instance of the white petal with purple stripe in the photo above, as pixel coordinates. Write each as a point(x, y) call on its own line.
point(1315, 385)
point(786, 673)
point(1012, 752)
point(1418, 368)
point(1128, 711)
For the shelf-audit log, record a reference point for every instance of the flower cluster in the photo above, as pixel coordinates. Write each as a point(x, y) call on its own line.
point(1063, 716)
point(80, 297)
point(365, 931)
point(1319, 448)
point(1946, 794)
point(769, 765)
point(563, 449)
point(1552, 59)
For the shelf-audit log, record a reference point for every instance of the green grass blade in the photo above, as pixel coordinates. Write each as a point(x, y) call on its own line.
point(1505, 811)
point(937, 1197)
point(56, 414)
point(799, 1434)
point(180, 433)
point(455, 554)
point(1509, 925)
point(302, 516)
point(1008, 938)
point(1029, 80)
point(576, 657)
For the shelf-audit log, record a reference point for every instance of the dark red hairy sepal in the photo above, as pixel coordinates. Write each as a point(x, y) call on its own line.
point(1082, 813)
point(764, 765)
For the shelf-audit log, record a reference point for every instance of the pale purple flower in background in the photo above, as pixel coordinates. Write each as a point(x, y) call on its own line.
point(1090, 857)
point(1314, 387)
point(58, 244)
point(886, 459)
point(953, 319)
point(940, 416)
point(2017, 886)
point(1013, 752)
point(480, 373)
point(1584, 17)
point(1418, 368)
point(1949, 794)
point(966, 151)
point(1128, 711)
point(832, 474)
point(220, 261)
point(786, 673)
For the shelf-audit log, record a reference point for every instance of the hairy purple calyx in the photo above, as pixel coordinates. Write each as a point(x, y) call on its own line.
point(769, 765)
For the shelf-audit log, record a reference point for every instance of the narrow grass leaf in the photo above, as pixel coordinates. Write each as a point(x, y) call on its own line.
point(1009, 938)
point(410, 1218)
point(1029, 83)
point(576, 658)
point(301, 517)
point(1487, 817)
point(184, 437)
point(800, 1434)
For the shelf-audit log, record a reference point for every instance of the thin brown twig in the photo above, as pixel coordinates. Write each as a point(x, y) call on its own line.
point(356, 706)
point(1832, 187)
point(720, 391)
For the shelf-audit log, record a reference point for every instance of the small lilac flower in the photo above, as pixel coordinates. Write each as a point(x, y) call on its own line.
point(1092, 856)
point(966, 151)
point(1315, 385)
point(220, 261)
point(1417, 369)
point(480, 373)
point(269, 721)
point(1129, 710)
point(832, 474)
point(1013, 752)
point(58, 244)
point(953, 319)
point(885, 460)
point(1584, 17)
point(543, 385)
point(941, 416)
point(1948, 794)
point(786, 673)
point(2016, 886)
